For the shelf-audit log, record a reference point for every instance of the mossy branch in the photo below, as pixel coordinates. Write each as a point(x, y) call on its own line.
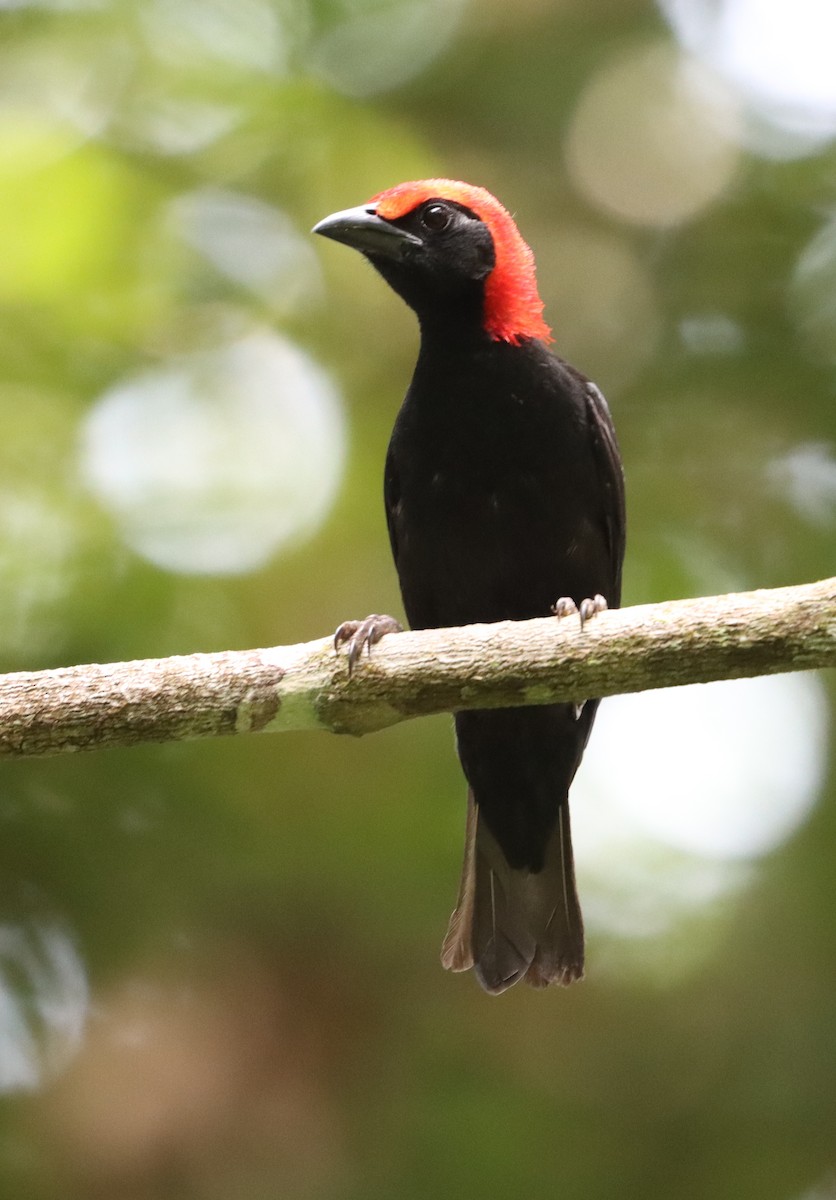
point(414, 674)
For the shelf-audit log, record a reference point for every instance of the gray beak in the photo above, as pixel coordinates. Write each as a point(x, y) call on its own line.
point(363, 229)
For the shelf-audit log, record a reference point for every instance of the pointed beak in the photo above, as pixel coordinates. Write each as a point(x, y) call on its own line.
point(363, 229)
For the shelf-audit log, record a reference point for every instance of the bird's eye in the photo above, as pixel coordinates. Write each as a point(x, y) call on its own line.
point(436, 217)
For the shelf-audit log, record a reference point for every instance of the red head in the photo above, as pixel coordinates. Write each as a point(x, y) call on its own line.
point(513, 308)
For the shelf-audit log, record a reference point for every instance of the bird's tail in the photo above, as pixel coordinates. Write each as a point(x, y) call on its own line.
point(515, 924)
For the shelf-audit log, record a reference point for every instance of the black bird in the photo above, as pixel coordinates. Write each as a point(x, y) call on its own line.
point(504, 498)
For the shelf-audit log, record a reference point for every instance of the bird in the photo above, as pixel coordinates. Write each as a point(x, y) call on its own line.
point(504, 497)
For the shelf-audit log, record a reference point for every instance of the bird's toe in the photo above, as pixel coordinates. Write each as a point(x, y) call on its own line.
point(590, 607)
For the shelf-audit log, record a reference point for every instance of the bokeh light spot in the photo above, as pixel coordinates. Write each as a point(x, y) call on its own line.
point(245, 34)
point(214, 463)
point(376, 45)
point(681, 790)
point(812, 292)
point(42, 1021)
point(806, 475)
point(724, 770)
point(778, 56)
point(604, 303)
point(250, 242)
point(39, 542)
point(173, 126)
point(712, 333)
point(653, 139)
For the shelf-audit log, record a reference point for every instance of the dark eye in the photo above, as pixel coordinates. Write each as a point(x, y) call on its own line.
point(436, 217)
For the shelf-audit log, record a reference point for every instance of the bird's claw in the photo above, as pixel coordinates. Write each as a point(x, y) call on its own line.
point(564, 607)
point(588, 608)
point(360, 635)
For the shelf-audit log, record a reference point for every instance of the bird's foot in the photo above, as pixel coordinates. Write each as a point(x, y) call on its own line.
point(360, 635)
point(588, 608)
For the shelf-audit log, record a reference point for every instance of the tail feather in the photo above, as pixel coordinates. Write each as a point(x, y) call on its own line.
point(516, 924)
point(457, 951)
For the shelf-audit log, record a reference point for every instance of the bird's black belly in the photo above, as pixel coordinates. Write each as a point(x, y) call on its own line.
point(469, 553)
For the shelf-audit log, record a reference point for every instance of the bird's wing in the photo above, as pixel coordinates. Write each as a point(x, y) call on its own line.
point(392, 501)
point(608, 461)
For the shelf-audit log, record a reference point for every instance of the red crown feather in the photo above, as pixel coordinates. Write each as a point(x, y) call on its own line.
point(513, 308)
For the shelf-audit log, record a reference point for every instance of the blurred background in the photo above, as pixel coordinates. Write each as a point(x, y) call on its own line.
point(219, 968)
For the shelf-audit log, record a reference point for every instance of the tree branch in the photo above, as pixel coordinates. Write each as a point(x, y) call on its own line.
point(415, 674)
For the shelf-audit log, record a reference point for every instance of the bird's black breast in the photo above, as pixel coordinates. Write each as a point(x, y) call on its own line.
point(496, 500)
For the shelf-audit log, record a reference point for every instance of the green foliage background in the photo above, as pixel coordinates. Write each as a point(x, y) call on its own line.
point(259, 919)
